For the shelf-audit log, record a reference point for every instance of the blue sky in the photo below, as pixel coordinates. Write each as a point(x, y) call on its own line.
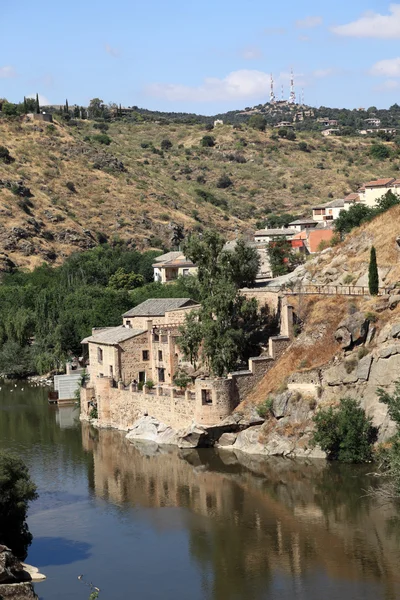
point(204, 57)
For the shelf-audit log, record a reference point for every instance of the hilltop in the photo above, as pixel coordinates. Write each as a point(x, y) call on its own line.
point(74, 184)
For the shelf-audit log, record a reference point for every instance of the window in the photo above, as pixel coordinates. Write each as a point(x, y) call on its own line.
point(142, 376)
point(145, 355)
point(185, 272)
point(100, 356)
point(156, 337)
point(128, 324)
point(206, 397)
point(160, 355)
point(164, 339)
point(161, 375)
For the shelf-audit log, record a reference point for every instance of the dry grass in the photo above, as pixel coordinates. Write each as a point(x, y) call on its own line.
point(276, 177)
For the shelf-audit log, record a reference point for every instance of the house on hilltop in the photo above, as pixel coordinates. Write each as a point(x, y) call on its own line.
point(168, 267)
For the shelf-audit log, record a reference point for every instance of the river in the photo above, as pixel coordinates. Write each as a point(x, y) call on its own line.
point(150, 524)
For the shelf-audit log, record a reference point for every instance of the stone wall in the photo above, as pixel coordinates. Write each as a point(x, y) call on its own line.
point(263, 297)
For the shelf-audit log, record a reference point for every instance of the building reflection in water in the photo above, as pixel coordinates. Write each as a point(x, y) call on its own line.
point(250, 521)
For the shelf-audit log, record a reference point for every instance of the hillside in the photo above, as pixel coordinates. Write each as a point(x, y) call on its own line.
point(64, 190)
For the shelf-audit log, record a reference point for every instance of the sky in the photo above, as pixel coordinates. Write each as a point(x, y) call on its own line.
point(205, 57)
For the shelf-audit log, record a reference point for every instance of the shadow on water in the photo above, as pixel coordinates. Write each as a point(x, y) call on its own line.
point(51, 551)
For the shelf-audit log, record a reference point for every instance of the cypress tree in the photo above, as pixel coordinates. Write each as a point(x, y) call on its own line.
point(25, 106)
point(66, 106)
point(37, 104)
point(373, 276)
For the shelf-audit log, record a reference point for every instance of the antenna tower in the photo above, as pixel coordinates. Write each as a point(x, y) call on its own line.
point(292, 97)
point(282, 93)
point(272, 98)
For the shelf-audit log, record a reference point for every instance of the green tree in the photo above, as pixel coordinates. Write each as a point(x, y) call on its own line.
point(354, 217)
point(280, 256)
point(96, 109)
point(208, 141)
point(373, 275)
point(226, 320)
point(102, 138)
point(379, 151)
point(121, 280)
point(16, 491)
point(258, 122)
point(166, 145)
point(224, 181)
point(346, 434)
point(37, 106)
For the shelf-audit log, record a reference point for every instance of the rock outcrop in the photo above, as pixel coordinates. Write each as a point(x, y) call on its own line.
point(15, 577)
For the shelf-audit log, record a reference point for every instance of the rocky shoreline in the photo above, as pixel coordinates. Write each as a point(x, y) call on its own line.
point(16, 577)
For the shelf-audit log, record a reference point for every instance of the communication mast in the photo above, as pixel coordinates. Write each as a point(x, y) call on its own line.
point(292, 97)
point(272, 98)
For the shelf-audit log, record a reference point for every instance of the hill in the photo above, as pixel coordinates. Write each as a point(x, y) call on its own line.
point(75, 184)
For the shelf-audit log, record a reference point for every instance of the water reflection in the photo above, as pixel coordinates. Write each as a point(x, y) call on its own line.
point(251, 521)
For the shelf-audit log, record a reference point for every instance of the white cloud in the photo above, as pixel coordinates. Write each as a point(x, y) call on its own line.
point(7, 72)
point(111, 51)
point(387, 86)
point(43, 101)
point(373, 25)
point(389, 67)
point(236, 85)
point(309, 22)
point(320, 73)
point(251, 53)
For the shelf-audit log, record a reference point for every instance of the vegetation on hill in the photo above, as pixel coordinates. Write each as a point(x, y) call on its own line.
point(44, 314)
point(77, 183)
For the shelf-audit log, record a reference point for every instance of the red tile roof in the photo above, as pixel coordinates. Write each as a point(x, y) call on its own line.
point(316, 236)
point(380, 182)
point(354, 197)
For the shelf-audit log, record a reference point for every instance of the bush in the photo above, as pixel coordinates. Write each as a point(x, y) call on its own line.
point(149, 384)
point(71, 186)
point(265, 409)
point(346, 434)
point(102, 138)
point(102, 126)
point(224, 181)
point(166, 144)
point(182, 380)
point(16, 491)
point(208, 141)
point(5, 155)
point(291, 136)
point(379, 151)
point(94, 413)
point(303, 147)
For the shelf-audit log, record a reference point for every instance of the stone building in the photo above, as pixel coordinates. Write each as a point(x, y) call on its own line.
point(144, 347)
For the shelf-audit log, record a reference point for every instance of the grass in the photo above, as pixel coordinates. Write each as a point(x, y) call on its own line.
point(275, 177)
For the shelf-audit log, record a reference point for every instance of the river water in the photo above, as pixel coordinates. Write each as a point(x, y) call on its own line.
point(166, 524)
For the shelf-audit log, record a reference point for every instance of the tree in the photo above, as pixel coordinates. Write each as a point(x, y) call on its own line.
point(178, 235)
point(182, 380)
point(96, 108)
point(388, 200)
point(16, 491)
point(66, 106)
point(346, 434)
point(166, 145)
point(257, 121)
point(291, 136)
point(379, 151)
point(102, 138)
point(279, 254)
point(226, 320)
point(208, 141)
point(357, 214)
point(373, 275)
point(224, 181)
point(37, 106)
point(121, 280)
point(5, 155)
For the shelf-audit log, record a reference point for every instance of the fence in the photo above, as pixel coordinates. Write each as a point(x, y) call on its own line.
point(326, 290)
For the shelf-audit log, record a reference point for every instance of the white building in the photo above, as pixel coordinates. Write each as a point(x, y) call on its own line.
point(168, 267)
point(302, 224)
point(266, 235)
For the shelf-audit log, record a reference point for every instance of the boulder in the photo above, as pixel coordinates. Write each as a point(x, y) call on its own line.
point(152, 430)
point(394, 301)
point(389, 351)
point(395, 331)
point(280, 404)
point(227, 439)
point(364, 367)
point(385, 371)
point(194, 436)
point(17, 591)
point(352, 330)
point(11, 570)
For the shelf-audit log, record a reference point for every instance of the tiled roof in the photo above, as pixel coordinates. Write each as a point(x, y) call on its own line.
point(113, 335)
point(354, 197)
point(316, 236)
point(334, 204)
point(379, 182)
point(168, 256)
point(157, 307)
point(272, 232)
point(301, 222)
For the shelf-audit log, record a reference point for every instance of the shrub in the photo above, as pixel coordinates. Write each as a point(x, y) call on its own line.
point(166, 144)
point(371, 317)
point(350, 365)
point(208, 141)
point(102, 126)
point(209, 127)
point(149, 384)
point(224, 181)
point(362, 352)
point(71, 186)
point(16, 491)
point(303, 147)
point(94, 413)
point(5, 155)
point(265, 409)
point(182, 380)
point(258, 122)
point(201, 179)
point(346, 433)
point(291, 136)
point(145, 145)
point(379, 151)
point(348, 279)
point(50, 129)
point(102, 138)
